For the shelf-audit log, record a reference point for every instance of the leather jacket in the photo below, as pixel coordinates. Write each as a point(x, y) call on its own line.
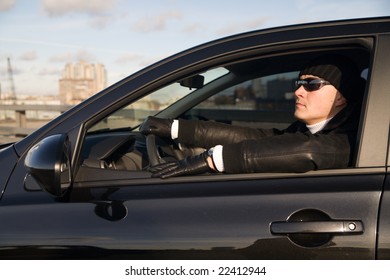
point(294, 149)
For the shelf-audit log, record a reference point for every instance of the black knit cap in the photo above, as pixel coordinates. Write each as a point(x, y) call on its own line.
point(338, 70)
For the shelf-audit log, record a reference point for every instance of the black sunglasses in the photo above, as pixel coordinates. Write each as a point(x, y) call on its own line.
point(311, 84)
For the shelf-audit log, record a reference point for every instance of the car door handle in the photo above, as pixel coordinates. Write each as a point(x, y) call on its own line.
point(330, 227)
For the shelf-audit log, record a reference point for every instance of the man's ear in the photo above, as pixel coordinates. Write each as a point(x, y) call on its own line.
point(340, 99)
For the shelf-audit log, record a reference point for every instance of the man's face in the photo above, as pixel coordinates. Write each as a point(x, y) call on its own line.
point(312, 107)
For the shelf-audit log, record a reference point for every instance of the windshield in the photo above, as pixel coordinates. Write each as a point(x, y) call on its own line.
point(134, 114)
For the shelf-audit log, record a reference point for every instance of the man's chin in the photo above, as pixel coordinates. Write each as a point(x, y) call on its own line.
point(298, 116)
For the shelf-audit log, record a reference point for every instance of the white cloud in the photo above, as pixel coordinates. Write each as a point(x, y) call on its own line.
point(6, 4)
point(49, 72)
point(248, 25)
point(156, 22)
point(101, 21)
point(73, 57)
point(315, 11)
point(61, 7)
point(29, 55)
point(194, 28)
point(128, 58)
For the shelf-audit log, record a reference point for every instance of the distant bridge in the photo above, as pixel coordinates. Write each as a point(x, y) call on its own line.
point(12, 130)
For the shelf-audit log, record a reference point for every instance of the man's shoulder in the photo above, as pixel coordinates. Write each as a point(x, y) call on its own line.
point(296, 126)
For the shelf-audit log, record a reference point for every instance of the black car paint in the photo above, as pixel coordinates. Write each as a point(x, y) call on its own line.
point(221, 217)
point(193, 221)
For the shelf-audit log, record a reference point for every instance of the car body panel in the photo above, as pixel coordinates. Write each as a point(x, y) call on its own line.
point(384, 224)
point(379, 99)
point(229, 219)
point(8, 161)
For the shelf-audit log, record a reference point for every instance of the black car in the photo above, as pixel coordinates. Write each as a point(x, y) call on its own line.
point(79, 187)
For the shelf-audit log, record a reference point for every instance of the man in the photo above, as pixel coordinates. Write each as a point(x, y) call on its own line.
point(323, 136)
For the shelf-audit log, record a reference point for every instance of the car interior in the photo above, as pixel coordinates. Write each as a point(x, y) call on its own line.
point(256, 90)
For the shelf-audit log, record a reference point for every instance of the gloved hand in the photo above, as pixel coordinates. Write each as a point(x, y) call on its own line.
point(156, 126)
point(188, 166)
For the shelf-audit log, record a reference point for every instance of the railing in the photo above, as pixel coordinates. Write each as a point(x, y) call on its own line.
point(19, 126)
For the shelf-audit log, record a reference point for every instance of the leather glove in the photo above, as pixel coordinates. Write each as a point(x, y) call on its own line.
point(191, 165)
point(156, 126)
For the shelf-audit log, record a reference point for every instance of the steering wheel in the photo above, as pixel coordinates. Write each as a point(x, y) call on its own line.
point(154, 155)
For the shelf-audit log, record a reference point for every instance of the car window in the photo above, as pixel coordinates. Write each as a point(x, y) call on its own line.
point(256, 92)
point(259, 102)
point(234, 98)
point(264, 101)
point(133, 114)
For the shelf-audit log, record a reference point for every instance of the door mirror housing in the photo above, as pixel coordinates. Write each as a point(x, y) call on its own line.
point(48, 162)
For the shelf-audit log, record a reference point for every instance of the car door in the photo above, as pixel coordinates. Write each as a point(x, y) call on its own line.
point(316, 216)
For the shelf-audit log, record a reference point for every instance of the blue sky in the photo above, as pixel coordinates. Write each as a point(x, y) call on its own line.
point(41, 36)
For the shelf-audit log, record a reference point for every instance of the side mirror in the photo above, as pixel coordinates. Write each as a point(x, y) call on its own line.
point(48, 162)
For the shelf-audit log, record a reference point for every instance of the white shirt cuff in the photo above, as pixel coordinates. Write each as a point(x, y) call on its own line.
point(175, 129)
point(218, 158)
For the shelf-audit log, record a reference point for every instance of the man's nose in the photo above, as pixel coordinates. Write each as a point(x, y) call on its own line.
point(299, 91)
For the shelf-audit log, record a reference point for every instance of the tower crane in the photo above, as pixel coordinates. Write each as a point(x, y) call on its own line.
point(12, 95)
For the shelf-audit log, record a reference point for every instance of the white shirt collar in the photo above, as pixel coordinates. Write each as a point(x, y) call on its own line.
point(314, 128)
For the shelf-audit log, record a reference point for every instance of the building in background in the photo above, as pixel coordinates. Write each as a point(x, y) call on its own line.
point(80, 81)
